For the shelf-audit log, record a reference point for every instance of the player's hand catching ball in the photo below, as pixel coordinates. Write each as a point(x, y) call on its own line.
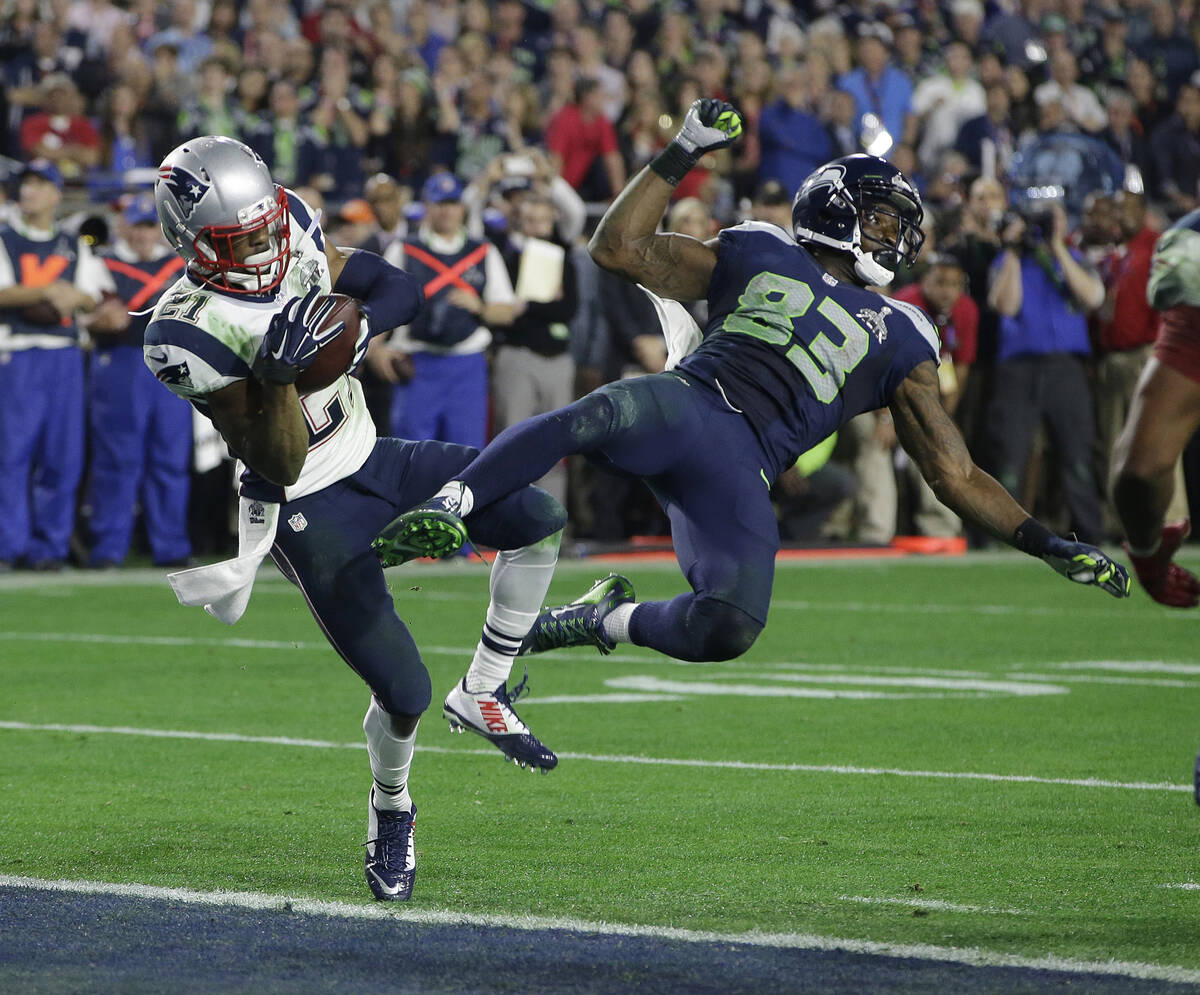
point(294, 337)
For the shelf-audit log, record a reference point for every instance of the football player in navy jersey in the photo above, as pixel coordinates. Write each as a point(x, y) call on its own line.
point(796, 345)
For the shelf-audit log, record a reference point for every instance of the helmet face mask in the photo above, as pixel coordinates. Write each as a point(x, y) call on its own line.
point(865, 207)
point(222, 212)
point(247, 258)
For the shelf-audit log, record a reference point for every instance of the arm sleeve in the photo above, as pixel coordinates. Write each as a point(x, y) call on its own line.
point(572, 211)
point(391, 296)
point(497, 287)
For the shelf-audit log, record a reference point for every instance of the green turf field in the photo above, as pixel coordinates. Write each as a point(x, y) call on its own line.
point(968, 752)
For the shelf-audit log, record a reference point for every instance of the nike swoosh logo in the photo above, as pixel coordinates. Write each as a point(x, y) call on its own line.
point(157, 358)
point(383, 886)
point(559, 612)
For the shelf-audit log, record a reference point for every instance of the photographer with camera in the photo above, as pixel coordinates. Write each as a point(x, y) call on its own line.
point(1042, 290)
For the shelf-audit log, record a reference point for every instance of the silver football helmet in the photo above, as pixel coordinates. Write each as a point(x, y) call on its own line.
point(220, 209)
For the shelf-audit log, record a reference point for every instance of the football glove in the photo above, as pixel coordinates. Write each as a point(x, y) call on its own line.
point(1086, 564)
point(709, 125)
point(1167, 582)
point(294, 338)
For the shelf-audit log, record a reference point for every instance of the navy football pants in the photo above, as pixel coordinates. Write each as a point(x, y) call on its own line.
point(323, 546)
point(705, 466)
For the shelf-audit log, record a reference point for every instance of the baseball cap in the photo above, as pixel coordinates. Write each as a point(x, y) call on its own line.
point(771, 193)
point(357, 212)
point(45, 169)
point(1054, 24)
point(442, 187)
point(141, 211)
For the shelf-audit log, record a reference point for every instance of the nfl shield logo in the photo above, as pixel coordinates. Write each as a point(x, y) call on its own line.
point(298, 522)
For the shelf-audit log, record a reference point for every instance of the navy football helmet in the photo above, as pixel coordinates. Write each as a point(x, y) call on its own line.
point(832, 204)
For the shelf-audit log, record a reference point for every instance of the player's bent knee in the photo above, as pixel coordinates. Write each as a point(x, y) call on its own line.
point(723, 631)
point(402, 695)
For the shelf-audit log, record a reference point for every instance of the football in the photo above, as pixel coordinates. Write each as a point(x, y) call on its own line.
point(337, 354)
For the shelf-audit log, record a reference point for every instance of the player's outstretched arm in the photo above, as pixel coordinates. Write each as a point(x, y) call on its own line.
point(626, 241)
point(933, 441)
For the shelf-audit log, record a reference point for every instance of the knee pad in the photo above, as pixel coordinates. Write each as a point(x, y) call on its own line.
point(719, 630)
point(404, 691)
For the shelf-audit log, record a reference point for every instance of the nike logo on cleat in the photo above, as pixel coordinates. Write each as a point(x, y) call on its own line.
point(493, 716)
point(383, 886)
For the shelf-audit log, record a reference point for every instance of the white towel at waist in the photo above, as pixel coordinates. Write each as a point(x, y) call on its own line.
point(224, 588)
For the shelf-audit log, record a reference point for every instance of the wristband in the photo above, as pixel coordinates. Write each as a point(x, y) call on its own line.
point(1032, 537)
point(673, 163)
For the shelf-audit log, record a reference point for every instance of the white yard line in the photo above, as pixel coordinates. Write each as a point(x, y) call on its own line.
point(1183, 886)
point(973, 956)
point(933, 904)
point(740, 765)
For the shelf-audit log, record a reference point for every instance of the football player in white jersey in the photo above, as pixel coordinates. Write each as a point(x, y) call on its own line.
point(232, 336)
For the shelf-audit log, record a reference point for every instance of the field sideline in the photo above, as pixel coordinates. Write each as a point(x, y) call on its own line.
point(923, 765)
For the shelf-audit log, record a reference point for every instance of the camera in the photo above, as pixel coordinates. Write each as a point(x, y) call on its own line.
point(1039, 222)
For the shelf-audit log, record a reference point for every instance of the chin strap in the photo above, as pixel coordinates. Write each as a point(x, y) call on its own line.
point(868, 269)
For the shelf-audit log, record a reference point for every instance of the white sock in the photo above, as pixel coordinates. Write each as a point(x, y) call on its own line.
point(391, 757)
point(460, 495)
point(616, 622)
point(519, 582)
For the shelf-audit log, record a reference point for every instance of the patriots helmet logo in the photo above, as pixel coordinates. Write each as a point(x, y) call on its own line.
point(187, 189)
point(177, 374)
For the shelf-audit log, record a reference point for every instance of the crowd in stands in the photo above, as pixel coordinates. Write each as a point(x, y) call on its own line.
point(1051, 139)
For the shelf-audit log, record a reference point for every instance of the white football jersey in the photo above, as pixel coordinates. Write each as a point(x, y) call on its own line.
point(201, 339)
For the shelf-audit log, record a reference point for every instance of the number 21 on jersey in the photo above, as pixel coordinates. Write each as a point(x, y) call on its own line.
point(767, 311)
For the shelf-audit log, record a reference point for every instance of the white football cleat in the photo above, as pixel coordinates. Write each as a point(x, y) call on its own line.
point(490, 714)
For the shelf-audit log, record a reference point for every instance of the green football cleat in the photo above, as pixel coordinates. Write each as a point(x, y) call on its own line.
point(580, 623)
point(429, 530)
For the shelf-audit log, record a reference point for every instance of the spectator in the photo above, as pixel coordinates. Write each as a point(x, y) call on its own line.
point(988, 141)
point(46, 279)
point(842, 123)
point(590, 64)
point(533, 372)
point(558, 88)
point(405, 149)
point(124, 141)
point(619, 38)
point(1175, 148)
point(1150, 108)
point(943, 102)
point(163, 101)
point(210, 112)
point(184, 35)
point(1042, 289)
point(422, 39)
point(1079, 103)
point(59, 132)
point(251, 106)
point(467, 289)
point(1124, 133)
point(97, 19)
point(794, 141)
point(1170, 53)
point(1106, 63)
point(942, 293)
point(290, 148)
point(141, 435)
point(1023, 109)
point(966, 22)
point(772, 202)
point(386, 199)
point(339, 123)
point(472, 128)
point(583, 145)
point(882, 93)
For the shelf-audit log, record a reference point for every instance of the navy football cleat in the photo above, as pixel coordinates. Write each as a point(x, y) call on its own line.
point(580, 623)
point(391, 854)
point(490, 714)
point(432, 529)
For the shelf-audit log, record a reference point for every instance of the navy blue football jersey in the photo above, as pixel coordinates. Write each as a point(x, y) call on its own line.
point(796, 351)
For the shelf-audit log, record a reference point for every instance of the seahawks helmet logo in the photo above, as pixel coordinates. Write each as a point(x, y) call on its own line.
point(187, 190)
